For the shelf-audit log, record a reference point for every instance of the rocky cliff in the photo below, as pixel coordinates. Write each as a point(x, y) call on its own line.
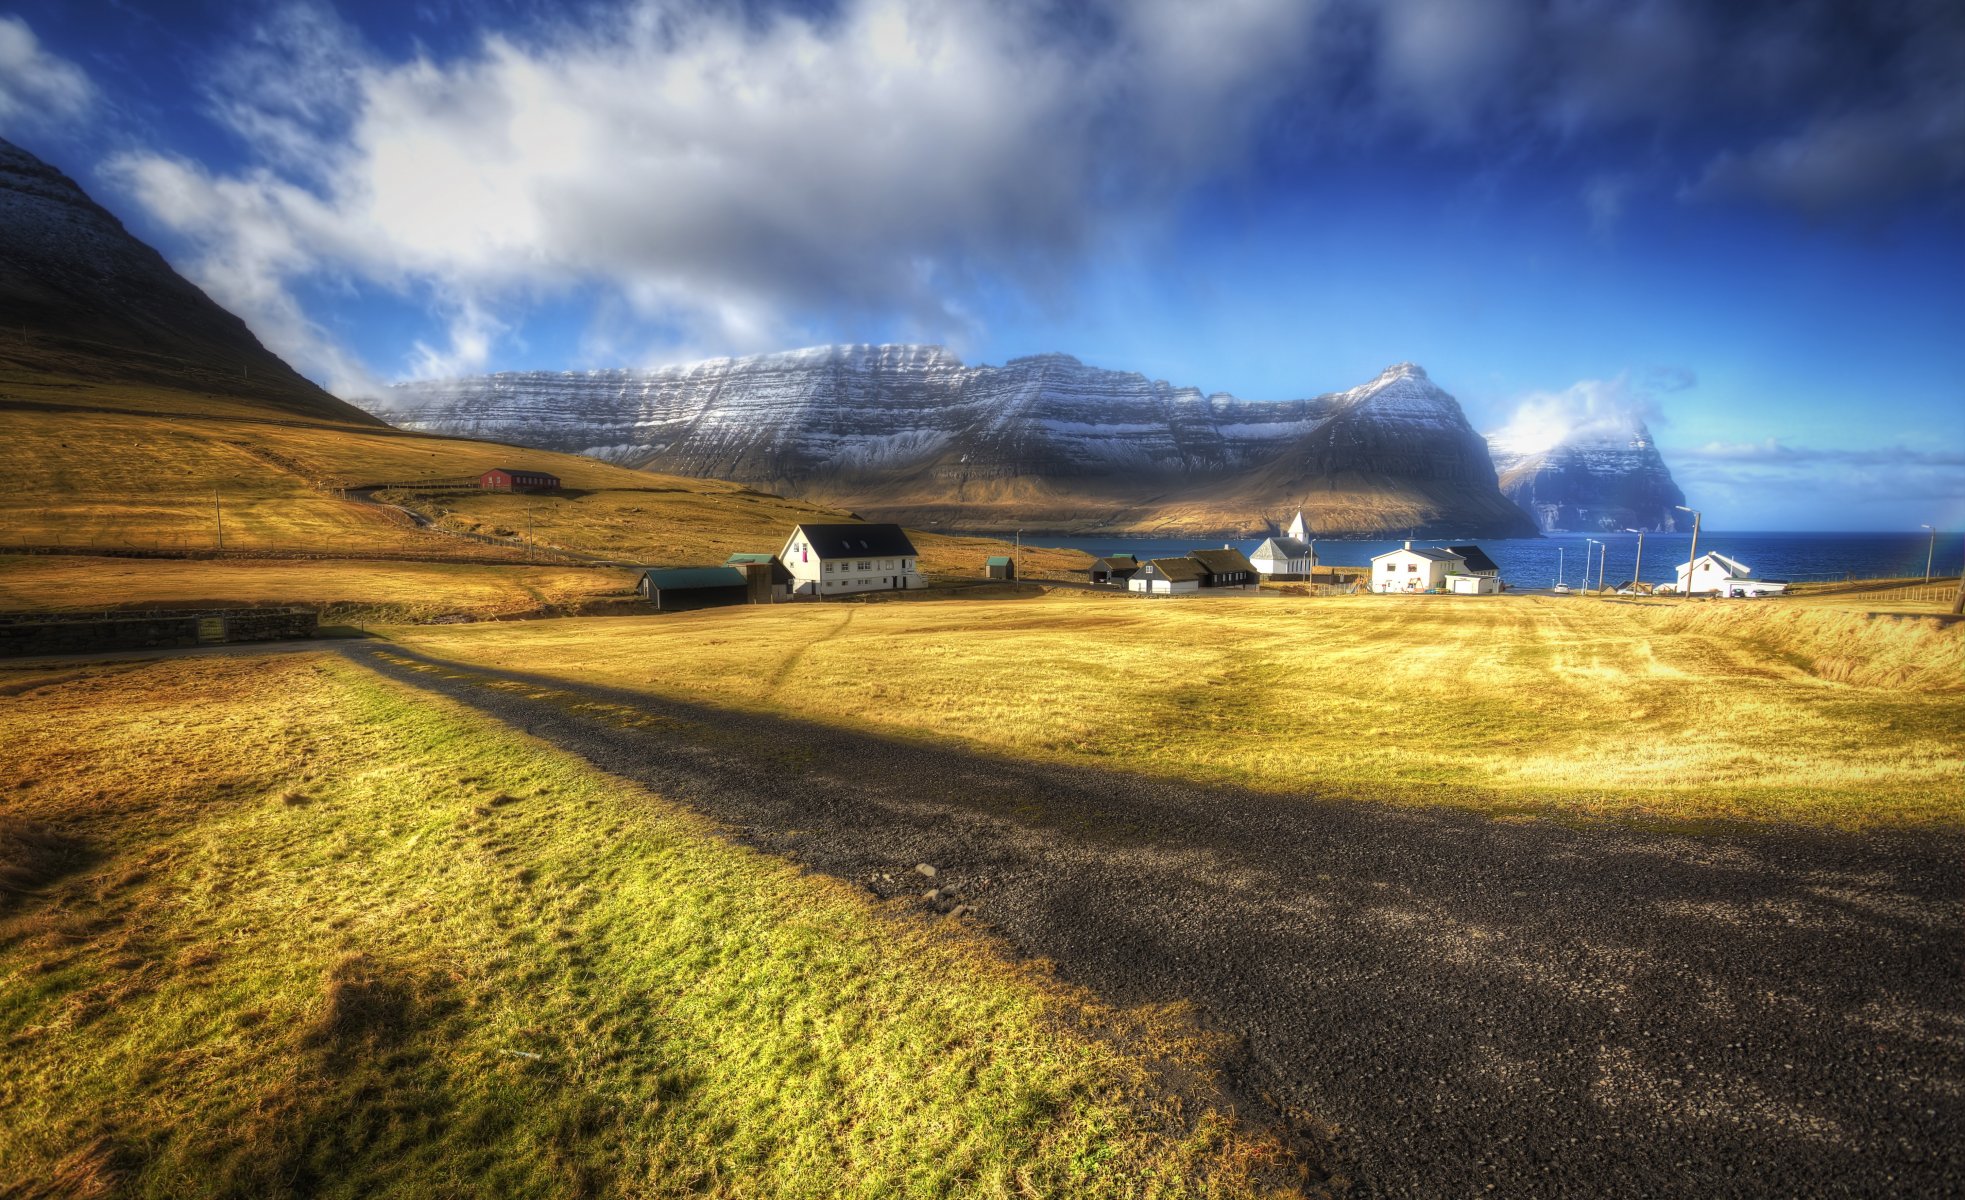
point(1607, 476)
point(911, 433)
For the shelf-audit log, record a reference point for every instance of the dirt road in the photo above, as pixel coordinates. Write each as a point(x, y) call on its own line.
point(1466, 1006)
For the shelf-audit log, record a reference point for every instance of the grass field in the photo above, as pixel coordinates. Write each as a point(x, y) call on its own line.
point(1564, 706)
point(274, 927)
point(360, 591)
point(121, 466)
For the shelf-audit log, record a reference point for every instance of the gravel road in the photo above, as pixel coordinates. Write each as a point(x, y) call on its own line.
point(1466, 1006)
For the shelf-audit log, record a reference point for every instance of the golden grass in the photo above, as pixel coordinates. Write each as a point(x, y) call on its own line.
point(1564, 706)
point(139, 475)
point(344, 591)
point(336, 937)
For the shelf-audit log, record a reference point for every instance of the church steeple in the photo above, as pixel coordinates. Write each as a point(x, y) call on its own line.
point(1298, 529)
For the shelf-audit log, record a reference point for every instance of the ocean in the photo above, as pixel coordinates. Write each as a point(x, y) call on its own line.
point(1536, 562)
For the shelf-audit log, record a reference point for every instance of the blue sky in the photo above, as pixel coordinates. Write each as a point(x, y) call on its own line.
point(1744, 222)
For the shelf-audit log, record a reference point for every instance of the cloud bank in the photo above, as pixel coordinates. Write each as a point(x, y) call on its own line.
point(1590, 410)
point(711, 177)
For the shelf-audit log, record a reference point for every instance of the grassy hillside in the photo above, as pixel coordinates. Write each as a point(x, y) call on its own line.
point(273, 927)
point(108, 464)
point(1560, 706)
point(345, 591)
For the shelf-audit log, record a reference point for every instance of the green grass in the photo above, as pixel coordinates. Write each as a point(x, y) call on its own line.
point(1568, 707)
point(334, 938)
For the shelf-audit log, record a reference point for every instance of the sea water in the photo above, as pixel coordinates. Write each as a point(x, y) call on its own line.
point(1535, 562)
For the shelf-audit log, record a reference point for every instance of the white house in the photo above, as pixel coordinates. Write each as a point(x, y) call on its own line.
point(840, 560)
point(1167, 577)
point(1410, 570)
point(1717, 573)
point(1285, 558)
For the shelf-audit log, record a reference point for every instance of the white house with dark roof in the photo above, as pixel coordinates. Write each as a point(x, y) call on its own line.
point(1415, 569)
point(845, 559)
point(1167, 577)
point(1726, 576)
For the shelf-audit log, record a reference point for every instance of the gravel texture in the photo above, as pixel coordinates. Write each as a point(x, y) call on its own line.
point(1433, 1002)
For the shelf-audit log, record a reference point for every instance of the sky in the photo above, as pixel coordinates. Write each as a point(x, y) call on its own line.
point(1742, 222)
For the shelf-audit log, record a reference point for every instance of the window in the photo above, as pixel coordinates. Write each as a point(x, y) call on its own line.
point(1391, 566)
point(1412, 566)
point(866, 566)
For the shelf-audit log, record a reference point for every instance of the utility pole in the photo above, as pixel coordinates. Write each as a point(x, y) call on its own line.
point(1601, 560)
point(1637, 572)
point(1588, 542)
point(218, 518)
point(1016, 558)
point(1693, 554)
point(528, 535)
point(1931, 551)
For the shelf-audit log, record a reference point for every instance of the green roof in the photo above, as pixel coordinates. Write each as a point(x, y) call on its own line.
point(750, 558)
point(694, 577)
point(999, 560)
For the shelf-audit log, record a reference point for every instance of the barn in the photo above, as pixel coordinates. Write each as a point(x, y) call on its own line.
point(1114, 570)
point(507, 479)
point(675, 589)
point(776, 583)
point(1000, 566)
point(1225, 568)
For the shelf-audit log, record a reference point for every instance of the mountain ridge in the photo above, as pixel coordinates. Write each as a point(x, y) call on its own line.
point(909, 432)
point(1608, 475)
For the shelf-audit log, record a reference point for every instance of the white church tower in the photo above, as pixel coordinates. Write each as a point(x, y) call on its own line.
point(1298, 529)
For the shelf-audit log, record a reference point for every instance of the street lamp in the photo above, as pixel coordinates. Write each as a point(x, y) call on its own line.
point(1933, 549)
point(1637, 572)
point(1692, 555)
point(1586, 563)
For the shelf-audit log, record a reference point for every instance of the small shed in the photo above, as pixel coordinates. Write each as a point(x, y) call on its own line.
point(674, 589)
point(1466, 583)
point(1114, 569)
point(775, 576)
point(508, 479)
point(1000, 566)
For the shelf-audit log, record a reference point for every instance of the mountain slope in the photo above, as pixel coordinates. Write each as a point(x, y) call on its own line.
point(78, 293)
point(1607, 475)
point(910, 433)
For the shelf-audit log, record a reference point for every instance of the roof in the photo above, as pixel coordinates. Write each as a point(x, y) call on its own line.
point(1283, 547)
point(1179, 570)
point(1477, 559)
point(517, 471)
point(998, 560)
point(1221, 562)
point(1117, 562)
point(685, 578)
point(1429, 553)
point(744, 556)
point(1733, 566)
point(848, 541)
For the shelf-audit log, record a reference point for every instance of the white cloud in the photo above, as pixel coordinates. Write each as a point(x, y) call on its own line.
point(1589, 410)
point(718, 175)
point(38, 89)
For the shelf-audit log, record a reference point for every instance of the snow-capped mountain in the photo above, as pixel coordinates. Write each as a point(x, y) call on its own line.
point(1606, 475)
point(911, 433)
point(90, 292)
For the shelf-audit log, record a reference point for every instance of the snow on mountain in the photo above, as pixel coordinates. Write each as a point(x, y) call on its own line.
point(908, 428)
point(1602, 474)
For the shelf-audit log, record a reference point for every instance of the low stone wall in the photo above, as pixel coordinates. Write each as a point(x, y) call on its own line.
point(43, 633)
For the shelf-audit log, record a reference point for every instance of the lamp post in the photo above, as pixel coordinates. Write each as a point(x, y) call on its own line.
point(1590, 541)
point(1692, 555)
point(1637, 572)
point(1930, 551)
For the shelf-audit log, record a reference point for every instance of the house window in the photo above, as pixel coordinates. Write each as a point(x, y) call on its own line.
point(866, 566)
point(1391, 566)
point(1412, 566)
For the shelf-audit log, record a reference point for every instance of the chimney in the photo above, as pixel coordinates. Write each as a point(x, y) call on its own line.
point(1408, 545)
point(1226, 546)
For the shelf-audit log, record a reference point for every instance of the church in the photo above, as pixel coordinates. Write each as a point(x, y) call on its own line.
point(1287, 557)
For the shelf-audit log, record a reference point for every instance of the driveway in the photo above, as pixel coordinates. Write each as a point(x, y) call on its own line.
point(1439, 1003)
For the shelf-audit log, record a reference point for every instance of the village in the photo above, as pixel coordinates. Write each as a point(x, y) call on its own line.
point(834, 560)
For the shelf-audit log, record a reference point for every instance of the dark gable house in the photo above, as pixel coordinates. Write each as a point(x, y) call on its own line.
point(1114, 570)
point(1225, 568)
point(675, 589)
point(506, 479)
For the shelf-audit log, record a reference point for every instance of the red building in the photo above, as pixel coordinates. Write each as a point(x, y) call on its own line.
point(505, 480)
